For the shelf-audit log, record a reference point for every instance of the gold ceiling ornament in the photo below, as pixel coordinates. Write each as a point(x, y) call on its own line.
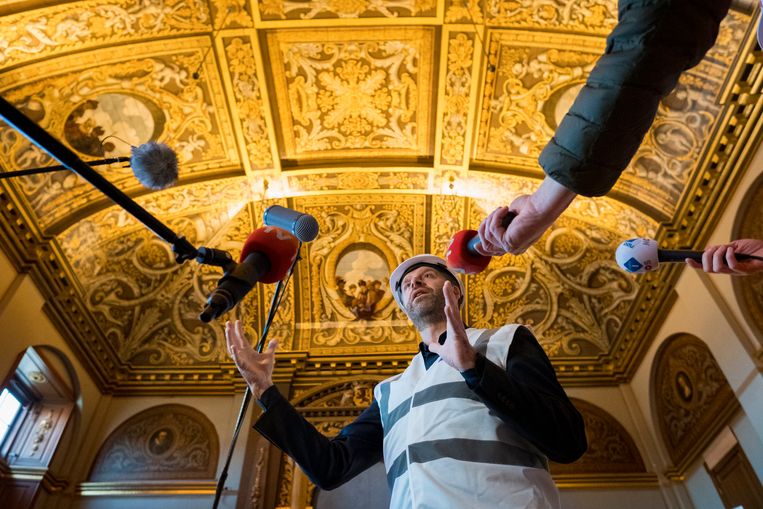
point(344, 9)
point(146, 304)
point(457, 98)
point(139, 94)
point(366, 93)
point(232, 14)
point(464, 11)
point(587, 16)
point(534, 81)
point(250, 104)
point(350, 306)
point(567, 289)
point(55, 29)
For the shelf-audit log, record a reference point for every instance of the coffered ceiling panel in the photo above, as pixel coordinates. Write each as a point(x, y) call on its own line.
point(353, 92)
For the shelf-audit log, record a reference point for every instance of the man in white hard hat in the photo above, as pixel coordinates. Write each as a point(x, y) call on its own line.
point(470, 423)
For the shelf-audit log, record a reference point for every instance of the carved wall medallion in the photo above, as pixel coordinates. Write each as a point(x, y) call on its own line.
point(691, 397)
point(749, 225)
point(162, 442)
point(611, 450)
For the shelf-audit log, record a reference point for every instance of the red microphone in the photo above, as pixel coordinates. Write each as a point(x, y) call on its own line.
point(462, 256)
point(266, 257)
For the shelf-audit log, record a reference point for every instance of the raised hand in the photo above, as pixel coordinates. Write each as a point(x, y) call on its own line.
point(457, 352)
point(256, 368)
point(722, 259)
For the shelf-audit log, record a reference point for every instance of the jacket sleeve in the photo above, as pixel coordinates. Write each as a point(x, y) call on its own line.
point(652, 44)
point(328, 463)
point(528, 396)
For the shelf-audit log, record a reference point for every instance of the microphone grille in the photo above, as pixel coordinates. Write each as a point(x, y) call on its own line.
point(306, 228)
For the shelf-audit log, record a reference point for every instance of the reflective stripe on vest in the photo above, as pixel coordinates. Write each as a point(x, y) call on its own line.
point(440, 439)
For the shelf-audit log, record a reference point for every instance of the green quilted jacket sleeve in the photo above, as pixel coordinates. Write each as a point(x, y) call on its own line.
point(652, 44)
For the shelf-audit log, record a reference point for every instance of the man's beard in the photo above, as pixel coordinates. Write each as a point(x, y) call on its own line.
point(429, 311)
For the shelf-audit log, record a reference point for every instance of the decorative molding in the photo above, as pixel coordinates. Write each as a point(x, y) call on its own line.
point(145, 488)
point(691, 397)
point(40, 33)
point(612, 453)
point(749, 290)
point(298, 10)
point(162, 442)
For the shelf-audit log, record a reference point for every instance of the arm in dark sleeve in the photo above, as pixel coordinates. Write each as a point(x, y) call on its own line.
point(528, 396)
point(327, 462)
point(652, 44)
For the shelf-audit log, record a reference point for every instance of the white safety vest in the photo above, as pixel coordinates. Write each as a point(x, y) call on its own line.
point(443, 448)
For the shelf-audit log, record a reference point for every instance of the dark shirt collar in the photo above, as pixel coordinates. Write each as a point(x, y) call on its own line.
point(431, 357)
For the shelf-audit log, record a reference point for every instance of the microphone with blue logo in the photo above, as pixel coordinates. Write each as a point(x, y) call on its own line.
point(643, 255)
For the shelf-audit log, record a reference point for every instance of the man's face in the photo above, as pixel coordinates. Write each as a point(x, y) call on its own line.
point(422, 297)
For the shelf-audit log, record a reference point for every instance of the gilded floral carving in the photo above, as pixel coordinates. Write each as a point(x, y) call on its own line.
point(249, 101)
point(39, 33)
point(586, 16)
point(362, 93)
point(348, 267)
point(535, 79)
point(458, 81)
point(569, 291)
point(314, 9)
point(147, 305)
point(464, 11)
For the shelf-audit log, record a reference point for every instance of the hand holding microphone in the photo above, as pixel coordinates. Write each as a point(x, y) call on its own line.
point(465, 253)
point(638, 256)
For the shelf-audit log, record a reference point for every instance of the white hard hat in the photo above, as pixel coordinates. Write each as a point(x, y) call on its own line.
point(428, 260)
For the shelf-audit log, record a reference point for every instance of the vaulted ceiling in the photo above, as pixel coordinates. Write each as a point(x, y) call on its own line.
point(395, 123)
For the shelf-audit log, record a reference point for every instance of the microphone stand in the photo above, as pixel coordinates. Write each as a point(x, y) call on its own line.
point(182, 248)
point(274, 303)
point(59, 167)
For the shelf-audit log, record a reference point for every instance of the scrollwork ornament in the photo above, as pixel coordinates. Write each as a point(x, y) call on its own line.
point(344, 9)
point(34, 34)
point(570, 292)
point(458, 81)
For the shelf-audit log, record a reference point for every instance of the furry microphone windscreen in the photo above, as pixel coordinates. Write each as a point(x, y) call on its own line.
point(155, 165)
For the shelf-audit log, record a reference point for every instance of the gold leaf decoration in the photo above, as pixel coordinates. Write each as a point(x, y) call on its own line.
point(457, 88)
point(41, 33)
point(246, 88)
point(364, 93)
point(317, 9)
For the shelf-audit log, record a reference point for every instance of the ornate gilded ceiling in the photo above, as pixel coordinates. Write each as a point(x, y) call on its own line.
point(394, 122)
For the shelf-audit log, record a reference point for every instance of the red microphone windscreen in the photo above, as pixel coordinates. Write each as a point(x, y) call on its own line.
point(459, 257)
point(278, 245)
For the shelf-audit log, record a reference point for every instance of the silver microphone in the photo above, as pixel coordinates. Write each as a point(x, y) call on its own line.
point(303, 226)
